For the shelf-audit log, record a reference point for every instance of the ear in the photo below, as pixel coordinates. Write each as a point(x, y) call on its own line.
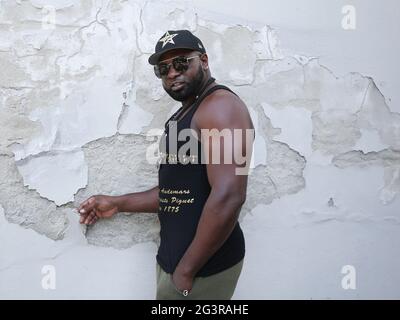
point(204, 61)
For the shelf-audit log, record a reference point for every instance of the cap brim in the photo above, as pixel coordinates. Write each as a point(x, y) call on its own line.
point(153, 59)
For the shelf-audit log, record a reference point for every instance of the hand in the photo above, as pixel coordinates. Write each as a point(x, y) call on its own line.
point(97, 207)
point(182, 282)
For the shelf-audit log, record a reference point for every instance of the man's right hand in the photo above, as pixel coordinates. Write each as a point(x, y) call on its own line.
point(97, 207)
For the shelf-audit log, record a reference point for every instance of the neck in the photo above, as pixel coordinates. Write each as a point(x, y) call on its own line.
point(193, 98)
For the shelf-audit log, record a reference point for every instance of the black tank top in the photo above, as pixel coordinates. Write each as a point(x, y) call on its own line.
point(184, 189)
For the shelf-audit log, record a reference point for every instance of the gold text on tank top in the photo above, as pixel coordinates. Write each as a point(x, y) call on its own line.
point(171, 200)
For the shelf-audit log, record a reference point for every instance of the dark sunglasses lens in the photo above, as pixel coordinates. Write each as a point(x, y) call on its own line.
point(161, 71)
point(180, 64)
point(157, 71)
point(164, 69)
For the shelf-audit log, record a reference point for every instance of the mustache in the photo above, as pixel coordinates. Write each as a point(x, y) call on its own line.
point(177, 81)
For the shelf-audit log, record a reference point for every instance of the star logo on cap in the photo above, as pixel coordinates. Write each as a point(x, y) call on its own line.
point(168, 38)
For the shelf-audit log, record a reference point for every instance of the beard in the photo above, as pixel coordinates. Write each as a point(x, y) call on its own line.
point(189, 89)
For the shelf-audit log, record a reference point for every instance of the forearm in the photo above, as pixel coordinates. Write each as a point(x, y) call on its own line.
point(146, 201)
point(218, 219)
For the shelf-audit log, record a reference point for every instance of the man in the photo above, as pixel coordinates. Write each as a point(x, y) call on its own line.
point(198, 202)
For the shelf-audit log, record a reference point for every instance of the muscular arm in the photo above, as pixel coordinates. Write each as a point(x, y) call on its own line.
point(228, 189)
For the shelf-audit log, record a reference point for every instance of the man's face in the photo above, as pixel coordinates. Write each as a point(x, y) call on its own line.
point(181, 85)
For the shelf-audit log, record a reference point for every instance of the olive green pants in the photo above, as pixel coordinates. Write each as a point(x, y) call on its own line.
point(219, 286)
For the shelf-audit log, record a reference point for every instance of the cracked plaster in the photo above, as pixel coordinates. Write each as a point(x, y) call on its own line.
point(87, 86)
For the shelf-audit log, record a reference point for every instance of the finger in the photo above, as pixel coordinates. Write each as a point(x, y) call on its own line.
point(90, 220)
point(89, 217)
point(95, 218)
point(83, 216)
point(87, 206)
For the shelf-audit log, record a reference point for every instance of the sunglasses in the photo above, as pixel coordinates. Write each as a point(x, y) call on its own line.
point(180, 64)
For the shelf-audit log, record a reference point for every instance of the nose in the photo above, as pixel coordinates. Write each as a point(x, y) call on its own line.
point(172, 73)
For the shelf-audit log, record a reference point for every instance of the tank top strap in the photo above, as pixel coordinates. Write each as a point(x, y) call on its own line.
point(188, 117)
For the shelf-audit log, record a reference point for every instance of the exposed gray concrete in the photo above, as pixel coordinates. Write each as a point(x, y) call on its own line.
point(27, 208)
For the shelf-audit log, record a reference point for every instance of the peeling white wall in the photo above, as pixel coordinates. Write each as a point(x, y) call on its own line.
point(78, 109)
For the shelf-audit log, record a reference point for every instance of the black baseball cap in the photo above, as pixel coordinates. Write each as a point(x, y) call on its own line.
point(176, 39)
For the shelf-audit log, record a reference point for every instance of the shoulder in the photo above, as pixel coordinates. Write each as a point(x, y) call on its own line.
point(222, 109)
